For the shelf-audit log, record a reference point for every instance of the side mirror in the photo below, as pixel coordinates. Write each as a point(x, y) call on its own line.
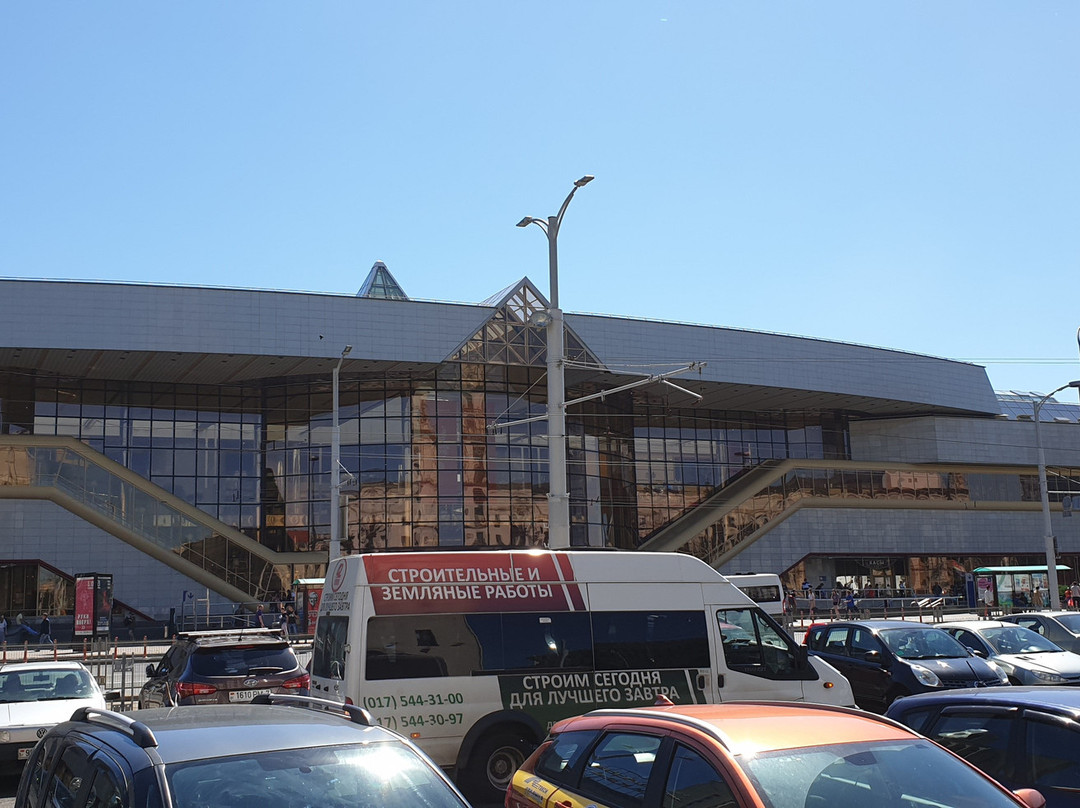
point(980, 653)
point(875, 658)
point(1030, 797)
point(150, 671)
point(113, 695)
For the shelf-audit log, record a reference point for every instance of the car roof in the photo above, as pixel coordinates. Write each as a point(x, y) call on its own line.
point(196, 731)
point(744, 727)
point(975, 625)
point(51, 665)
point(1041, 614)
point(248, 636)
point(1060, 699)
point(881, 625)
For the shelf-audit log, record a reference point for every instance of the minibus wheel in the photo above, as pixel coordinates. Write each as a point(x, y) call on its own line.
point(493, 762)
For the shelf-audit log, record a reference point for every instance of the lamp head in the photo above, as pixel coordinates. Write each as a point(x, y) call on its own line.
point(584, 181)
point(540, 318)
point(526, 221)
point(347, 350)
point(1074, 384)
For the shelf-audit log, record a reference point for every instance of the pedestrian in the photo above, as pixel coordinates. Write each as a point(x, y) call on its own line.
point(836, 603)
point(291, 619)
point(1037, 599)
point(260, 622)
point(129, 624)
point(3, 629)
point(45, 629)
point(1074, 593)
point(849, 602)
point(812, 598)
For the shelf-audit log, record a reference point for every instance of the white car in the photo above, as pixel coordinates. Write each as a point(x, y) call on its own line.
point(1027, 657)
point(35, 696)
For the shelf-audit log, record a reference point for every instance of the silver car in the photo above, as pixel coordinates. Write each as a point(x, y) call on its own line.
point(1027, 657)
point(1061, 628)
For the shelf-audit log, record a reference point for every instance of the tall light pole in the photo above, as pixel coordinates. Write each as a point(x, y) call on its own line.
point(558, 496)
point(1048, 528)
point(335, 466)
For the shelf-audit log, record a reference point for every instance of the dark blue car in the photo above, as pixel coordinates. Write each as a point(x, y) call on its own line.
point(887, 659)
point(1023, 737)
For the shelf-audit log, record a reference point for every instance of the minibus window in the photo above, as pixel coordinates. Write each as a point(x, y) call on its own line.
point(328, 652)
point(634, 640)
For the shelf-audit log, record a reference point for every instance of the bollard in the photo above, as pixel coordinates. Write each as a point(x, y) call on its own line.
point(145, 653)
point(84, 649)
point(55, 653)
point(5, 651)
point(26, 651)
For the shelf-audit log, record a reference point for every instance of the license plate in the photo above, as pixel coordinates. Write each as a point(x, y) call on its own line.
point(24, 752)
point(246, 695)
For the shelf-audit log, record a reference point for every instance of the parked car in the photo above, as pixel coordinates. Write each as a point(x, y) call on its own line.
point(261, 755)
point(738, 755)
point(887, 659)
point(1061, 628)
point(223, 667)
point(1026, 657)
point(37, 695)
point(1023, 737)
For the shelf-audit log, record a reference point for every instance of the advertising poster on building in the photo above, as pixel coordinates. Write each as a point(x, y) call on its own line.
point(84, 605)
point(311, 608)
point(103, 605)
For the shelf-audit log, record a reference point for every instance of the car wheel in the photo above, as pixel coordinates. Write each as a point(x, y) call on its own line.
point(493, 763)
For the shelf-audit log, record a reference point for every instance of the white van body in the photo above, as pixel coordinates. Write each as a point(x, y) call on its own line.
point(764, 588)
point(476, 654)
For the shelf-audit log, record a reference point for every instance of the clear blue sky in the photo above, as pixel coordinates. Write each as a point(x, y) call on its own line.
point(900, 174)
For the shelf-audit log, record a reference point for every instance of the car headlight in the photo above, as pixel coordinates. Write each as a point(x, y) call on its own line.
point(1048, 677)
point(1002, 676)
point(926, 676)
point(5, 736)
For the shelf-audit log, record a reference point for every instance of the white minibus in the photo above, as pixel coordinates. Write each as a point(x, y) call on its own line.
point(764, 588)
point(475, 655)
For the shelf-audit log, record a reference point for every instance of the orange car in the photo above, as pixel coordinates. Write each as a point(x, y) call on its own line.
point(743, 754)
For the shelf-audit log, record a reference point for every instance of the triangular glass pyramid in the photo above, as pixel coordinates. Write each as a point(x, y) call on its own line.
point(381, 284)
point(509, 336)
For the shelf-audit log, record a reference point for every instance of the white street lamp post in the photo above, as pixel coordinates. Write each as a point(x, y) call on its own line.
point(335, 466)
point(1044, 493)
point(558, 496)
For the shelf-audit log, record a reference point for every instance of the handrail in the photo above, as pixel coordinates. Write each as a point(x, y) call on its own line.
point(135, 510)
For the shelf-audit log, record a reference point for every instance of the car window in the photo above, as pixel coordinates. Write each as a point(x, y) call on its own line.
point(815, 639)
point(980, 739)
point(562, 755)
point(45, 685)
point(1070, 621)
point(836, 640)
point(106, 790)
point(1054, 752)
point(754, 644)
point(387, 775)
point(242, 660)
point(1018, 640)
point(970, 640)
point(863, 640)
point(692, 780)
point(39, 767)
point(1030, 623)
point(71, 773)
point(920, 643)
point(914, 717)
point(618, 769)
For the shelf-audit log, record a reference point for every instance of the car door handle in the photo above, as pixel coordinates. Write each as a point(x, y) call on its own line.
point(564, 804)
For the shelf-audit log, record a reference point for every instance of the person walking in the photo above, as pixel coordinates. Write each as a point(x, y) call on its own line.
point(1074, 593)
point(260, 621)
point(3, 630)
point(45, 630)
point(1037, 599)
point(811, 598)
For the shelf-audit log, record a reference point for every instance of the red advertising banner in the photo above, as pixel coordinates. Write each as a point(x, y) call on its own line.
point(84, 606)
point(512, 581)
point(312, 596)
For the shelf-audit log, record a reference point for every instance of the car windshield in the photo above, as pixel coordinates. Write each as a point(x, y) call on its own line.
point(928, 643)
point(388, 775)
point(911, 773)
point(45, 685)
point(1070, 621)
point(242, 660)
point(1018, 640)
